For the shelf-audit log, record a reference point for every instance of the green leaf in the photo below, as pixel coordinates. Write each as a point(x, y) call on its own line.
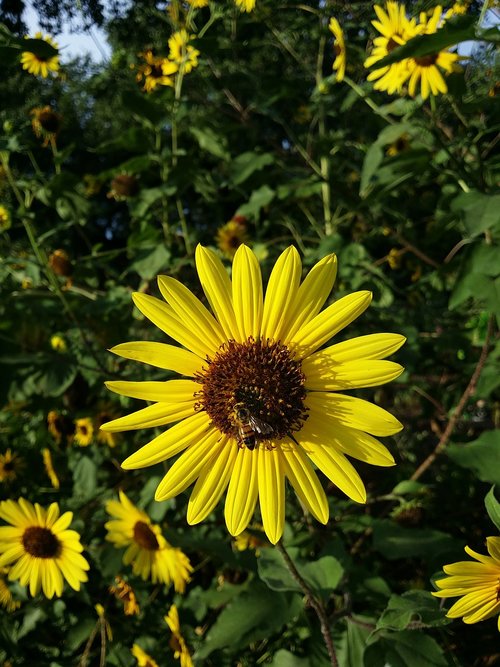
point(493, 507)
point(404, 649)
point(418, 608)
point(480, 211)
point(244, 165)
point(254, 615)
point(394, 541)
point(458, 29)
point(286, 659)
point(9, 54)
point(152, 262)
point(210, 141)
point(53, 377)
point(479, 456)
point(144, 107)
point(323, 576)
point(39, 47)
point(79, 633)
point(373, 158)
point(85, 477)
point(31, 618)
point(351, 647)
point(409, 487)
point(147, 197)
point(259, 199)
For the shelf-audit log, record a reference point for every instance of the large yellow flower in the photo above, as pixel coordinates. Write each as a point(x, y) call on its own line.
point(477, 584)
point(177, 643)
point(245, 5)
point(259, 401)
point(148, 551)
point(339, 48)
point(427, 69)
point(37, 65)
point(395, 29)
point(40, 549)
point(156, 71)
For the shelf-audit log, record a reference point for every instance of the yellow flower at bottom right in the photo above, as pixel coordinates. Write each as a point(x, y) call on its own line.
point(177, 643)
point(477, 584)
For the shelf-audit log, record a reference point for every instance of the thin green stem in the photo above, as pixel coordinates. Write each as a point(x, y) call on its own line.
point(313, 602)
point(368, 100)
point(324, 161)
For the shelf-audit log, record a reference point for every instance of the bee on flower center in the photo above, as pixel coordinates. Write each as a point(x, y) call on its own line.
point(248, 427)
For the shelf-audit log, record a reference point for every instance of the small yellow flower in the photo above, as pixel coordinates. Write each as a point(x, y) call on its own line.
point(231, 235)
point(39, 548)
point(457, 9)
point(59, 426)
point(49, 468)
point(10, 465)
point(46, 123)
point(143, 658)
point(394, 258)
point(6, 598)
point(477, 584)
point(339, 48)
point(177, 643)
point(105, 437)
point(156, 71)
point(5, 219)
point(401, 145)
point(245, 5)
point(197, 4)
point(58, 343)
point(84, 431)
point(60, 263)
point(38, 65)
point(181, 52)
point(247, 540)
point(125, 593)
point(151, 556)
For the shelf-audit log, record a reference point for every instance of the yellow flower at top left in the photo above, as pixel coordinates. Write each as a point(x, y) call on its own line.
point(38, 65)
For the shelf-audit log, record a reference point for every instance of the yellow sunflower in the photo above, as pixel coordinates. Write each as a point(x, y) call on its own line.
point(49, 468)
point(231, 235)
point(339, 48)
point(477, 584)
point(148, 551)
point(84, 431)
point(197, 4)
point(143, 658)
point(259, 402)
point(5, 219)
point(38, 65)
point(177, 643)
point(39, 548)
point(156, 71)
point(245, 5)
point(10, 465)
point(46, 123)
point(428, 69)
point(181, 53)
point(6, 598)
point(395, 29)
point(125, 593)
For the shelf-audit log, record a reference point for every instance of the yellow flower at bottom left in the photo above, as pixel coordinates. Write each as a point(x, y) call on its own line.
point(39, 548)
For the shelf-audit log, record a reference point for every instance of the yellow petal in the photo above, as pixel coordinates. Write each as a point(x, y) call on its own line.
point(170, 442)
point(158, 414)
point(349, 441)
point(171, 391)
point(372, 346)
point(312, 294)
point(190, 311)
point(212, 483)
point(324, 374)
point(247, 293)
point(353, 413)
point(165, 319)
point(242, 492)
point(305, 481)
point(189, 465)
point(332, 463)
point(271, 481)
point(217, 287)
point(281, 294)
point(161, 355)
point(329, 322)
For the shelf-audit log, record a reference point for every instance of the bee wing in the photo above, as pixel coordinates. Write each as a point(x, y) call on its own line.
point(259, 426)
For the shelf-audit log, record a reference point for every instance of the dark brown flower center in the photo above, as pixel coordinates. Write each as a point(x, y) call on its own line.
point(9, 466)
point(391, 45)
point(337, 50)
point(41, 542)
point(427, 61)
point(145, 537)
point(257, 381)
point(175, 644)
point(49, 120)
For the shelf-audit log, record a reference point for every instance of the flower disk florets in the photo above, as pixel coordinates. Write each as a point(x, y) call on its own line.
point(41, 542)
point(264, 378)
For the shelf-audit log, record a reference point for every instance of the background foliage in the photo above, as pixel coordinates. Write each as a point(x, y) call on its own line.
point(404, 191)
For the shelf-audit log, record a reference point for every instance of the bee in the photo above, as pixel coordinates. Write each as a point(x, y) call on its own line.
point(248, 427)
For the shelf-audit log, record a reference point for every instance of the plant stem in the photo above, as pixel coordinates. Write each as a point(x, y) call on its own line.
point(368, 100)
point(313, 602)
